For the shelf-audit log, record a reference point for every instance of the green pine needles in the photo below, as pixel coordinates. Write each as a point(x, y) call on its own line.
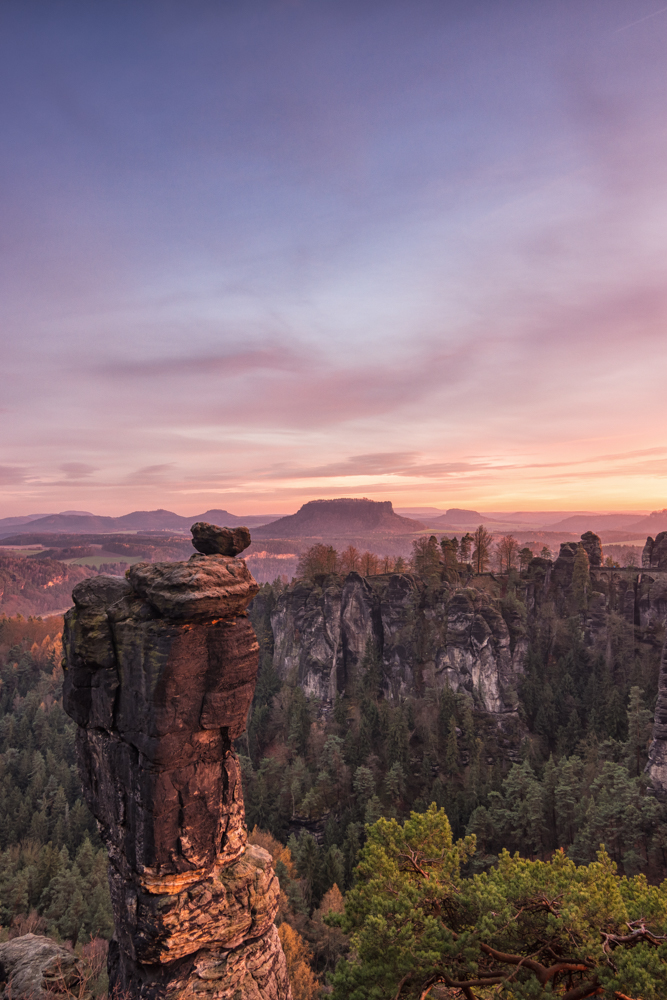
point(523, 930)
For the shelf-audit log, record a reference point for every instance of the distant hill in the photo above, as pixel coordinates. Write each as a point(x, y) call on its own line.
point(458, 517)
point(423, 512)
point(596, 522)
point(650, 525)
point(138, 520)
point(9, 522)
point(541, 518)
point(335, 518)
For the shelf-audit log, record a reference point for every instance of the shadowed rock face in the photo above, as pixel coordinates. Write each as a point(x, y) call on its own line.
point(446, 636)
point(654, 555)
point(160, 673)
point(435, 639)
point(591, 542)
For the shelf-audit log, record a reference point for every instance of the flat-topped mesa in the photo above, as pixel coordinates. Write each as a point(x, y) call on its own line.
point(160, 671)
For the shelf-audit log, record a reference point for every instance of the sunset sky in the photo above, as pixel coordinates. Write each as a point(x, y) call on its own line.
point(255, 253)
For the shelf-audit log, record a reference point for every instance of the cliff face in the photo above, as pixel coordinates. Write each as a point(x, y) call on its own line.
point(160, 672)
point(461, 637)
point(423, 638)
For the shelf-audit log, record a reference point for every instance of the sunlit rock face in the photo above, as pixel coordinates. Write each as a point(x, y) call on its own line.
point(160, 673)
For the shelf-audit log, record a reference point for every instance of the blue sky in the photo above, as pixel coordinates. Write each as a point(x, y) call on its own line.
point(256, 253)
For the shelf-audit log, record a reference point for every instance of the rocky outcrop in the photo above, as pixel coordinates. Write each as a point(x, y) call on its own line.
point(647, 552)
point(422, 638)
point(33, 967)
point(593, 545)
point(160, 673)
point(461, 637)
point(563, 566)
point(654, 554)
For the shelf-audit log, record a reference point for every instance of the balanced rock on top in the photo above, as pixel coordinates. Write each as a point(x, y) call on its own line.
point(212, 540)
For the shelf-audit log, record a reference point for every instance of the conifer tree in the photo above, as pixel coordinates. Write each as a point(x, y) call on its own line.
point(581, 579)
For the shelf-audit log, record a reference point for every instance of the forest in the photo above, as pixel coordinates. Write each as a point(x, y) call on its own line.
point(325, 784)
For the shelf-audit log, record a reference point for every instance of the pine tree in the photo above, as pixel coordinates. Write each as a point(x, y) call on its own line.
point(639, 732)
point(452, 749)
point(581, 579)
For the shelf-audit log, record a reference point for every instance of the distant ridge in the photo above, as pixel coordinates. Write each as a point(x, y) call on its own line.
point(652, 524)
point(597, 522)
point(9, 522)
point(346, 516)
point(420, 511)
point(138, 520)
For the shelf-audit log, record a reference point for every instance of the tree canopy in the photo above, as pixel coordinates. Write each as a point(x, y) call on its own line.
point(524, 929)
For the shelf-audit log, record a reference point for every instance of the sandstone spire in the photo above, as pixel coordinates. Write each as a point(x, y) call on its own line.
point(160, 673)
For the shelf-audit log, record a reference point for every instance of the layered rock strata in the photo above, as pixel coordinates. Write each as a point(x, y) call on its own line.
point(160, 673)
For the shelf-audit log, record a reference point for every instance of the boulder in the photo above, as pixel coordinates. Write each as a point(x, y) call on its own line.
point(35, 967)
point(212, 540)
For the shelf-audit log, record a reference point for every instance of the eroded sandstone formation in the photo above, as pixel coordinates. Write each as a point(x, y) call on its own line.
point(593, 546)
point(452, 635)
point(654, 555)
point(160, 673)
point(423, 639)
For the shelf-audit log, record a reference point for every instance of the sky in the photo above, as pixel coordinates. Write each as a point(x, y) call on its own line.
point(256, 253)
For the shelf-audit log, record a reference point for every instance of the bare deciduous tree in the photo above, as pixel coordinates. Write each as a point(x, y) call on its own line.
point(507, 550)
point(482, 539)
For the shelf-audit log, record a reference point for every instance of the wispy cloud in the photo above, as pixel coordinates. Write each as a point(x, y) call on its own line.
point(149, 475)
point(12, 475)
point(275, 358)
point(77, 470)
